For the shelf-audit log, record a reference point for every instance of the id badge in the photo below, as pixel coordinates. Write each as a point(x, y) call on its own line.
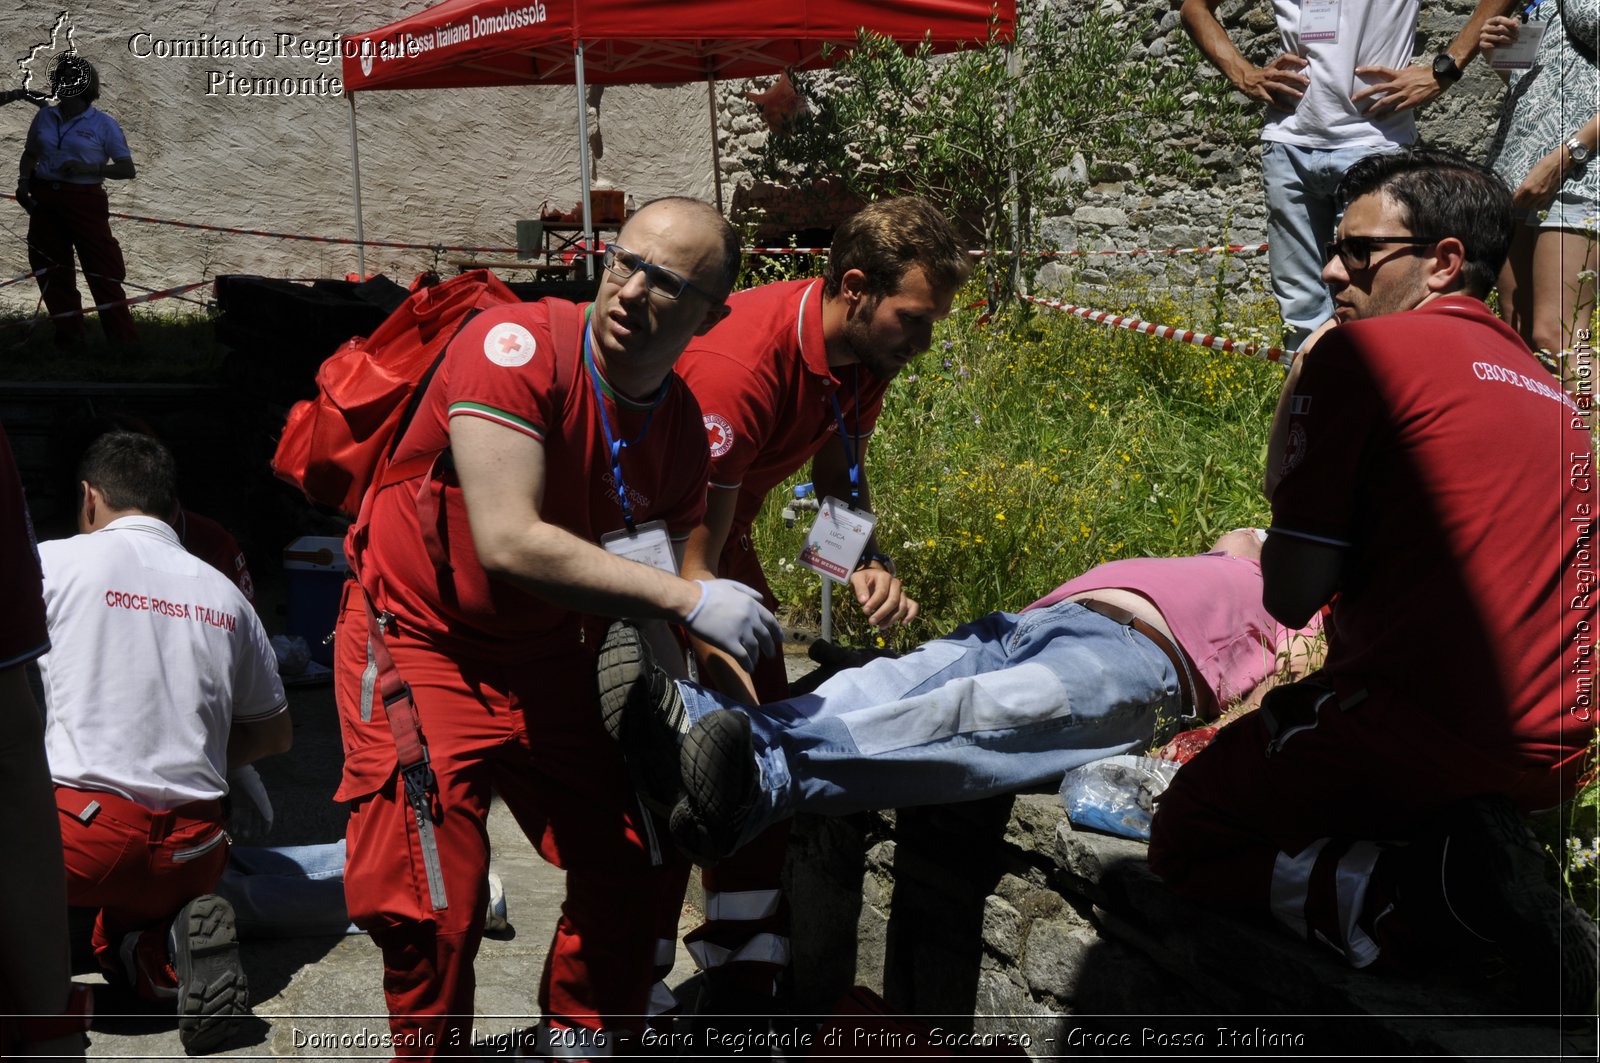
point(1319, 21)
point(836, 540)
point(1519, 54)
point(649, 544)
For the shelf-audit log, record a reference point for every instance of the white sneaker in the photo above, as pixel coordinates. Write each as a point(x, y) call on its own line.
point(494, 919)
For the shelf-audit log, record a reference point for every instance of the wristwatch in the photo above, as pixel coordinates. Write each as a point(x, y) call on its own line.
point(74, 1018)
point(1445, 68)
point(883, 559)
point(1578, 152)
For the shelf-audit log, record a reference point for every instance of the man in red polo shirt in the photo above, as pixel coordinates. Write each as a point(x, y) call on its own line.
point(568, 462)
point(798, 373)
point(1425, 469)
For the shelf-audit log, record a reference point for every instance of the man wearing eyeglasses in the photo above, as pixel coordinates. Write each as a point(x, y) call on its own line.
point(1342, 86)
point(1430, 479)
point(576, 467)
point(798, 373)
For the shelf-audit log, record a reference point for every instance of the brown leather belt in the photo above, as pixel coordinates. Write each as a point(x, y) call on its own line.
point(1180, 663)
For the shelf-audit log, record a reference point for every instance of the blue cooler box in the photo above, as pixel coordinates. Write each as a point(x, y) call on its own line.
point(315, 570)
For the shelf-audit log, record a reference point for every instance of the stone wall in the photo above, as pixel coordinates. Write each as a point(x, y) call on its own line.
point(996, 918)
point(1123, 207)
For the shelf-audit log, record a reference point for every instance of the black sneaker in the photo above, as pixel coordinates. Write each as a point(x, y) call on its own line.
point(720, 781)
point(1485, 871)
point(212, 992)
point(643, 712)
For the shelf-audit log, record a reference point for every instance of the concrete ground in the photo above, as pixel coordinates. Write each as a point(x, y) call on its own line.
point(321, 997)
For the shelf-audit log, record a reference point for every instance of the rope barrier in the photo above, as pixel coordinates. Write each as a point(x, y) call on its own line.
point(19, 278)
point(1232, 249)
point(149, 298)
point(1199, 339)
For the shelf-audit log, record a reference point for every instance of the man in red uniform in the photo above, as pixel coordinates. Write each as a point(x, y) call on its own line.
point(798, 372)
point(565, 461)
point(1424, 469)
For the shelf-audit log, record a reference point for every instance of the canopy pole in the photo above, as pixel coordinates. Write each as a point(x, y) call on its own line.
point(716, 157)
point(355, 176)
point(583, 165)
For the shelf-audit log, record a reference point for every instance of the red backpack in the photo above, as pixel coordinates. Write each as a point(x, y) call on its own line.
point(338, 444)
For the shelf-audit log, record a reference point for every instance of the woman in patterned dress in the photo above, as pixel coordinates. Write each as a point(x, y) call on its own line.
point(1549, 130)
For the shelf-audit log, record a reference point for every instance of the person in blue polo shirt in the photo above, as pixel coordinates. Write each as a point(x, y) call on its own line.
point(72, 148)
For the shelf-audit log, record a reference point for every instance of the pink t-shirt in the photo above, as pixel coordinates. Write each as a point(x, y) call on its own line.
point(1212, 603)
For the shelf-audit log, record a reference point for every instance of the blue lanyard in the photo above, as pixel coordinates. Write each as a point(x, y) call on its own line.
point(1527, 12)
point(615, 446)
point(845, 438)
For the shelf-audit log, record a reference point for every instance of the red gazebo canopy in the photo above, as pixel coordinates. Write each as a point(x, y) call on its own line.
point(462, 43)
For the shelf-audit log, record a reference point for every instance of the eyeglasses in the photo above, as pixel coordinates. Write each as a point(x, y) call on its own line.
point(622, 264)
point(1356, 251)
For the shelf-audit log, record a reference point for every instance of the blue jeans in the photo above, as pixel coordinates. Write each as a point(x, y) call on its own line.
point(288, 890)
point(1301, 217)
point(1003, 703)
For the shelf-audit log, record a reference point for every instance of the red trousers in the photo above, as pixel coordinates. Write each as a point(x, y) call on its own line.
point(68, 218)
point(1290, 828)
point(530, 732)
point(137, 866)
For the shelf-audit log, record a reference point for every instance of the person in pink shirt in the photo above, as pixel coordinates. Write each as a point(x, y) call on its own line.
point(1009, 701)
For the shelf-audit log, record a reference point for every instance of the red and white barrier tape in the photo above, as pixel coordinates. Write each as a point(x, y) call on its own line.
point(19, 278)
point(1200, 339)
point(150, 298)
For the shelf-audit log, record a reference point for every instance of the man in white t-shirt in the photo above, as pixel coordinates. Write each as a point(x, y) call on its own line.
point(160, 679)
point(1341, 88)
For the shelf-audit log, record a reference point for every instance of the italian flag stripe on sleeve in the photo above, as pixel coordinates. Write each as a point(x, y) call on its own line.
point(489, 413)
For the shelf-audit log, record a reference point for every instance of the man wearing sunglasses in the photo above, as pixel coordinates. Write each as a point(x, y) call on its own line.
point(798, 373)
point(1430, 479)
point(1342, 86)
point(570, 461)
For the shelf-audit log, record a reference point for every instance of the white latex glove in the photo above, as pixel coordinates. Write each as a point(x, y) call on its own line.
point(731, 617)
point(251, 817)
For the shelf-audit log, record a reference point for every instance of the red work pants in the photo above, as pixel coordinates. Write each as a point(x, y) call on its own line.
point(67, 218)
point(530, 732)
point(137, 866)
point(1255, 826)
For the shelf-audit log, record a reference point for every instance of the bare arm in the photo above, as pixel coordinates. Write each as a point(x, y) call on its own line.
point(502, 475)
point(1297, 657)
point(1279, 83)
point(250, 740)
point(1278, 435)
point(1538, 189)
point(878, 591)
point(34, 968)
point(1412, 86)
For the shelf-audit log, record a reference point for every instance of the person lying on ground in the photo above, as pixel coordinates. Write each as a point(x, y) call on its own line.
point(1010, 701)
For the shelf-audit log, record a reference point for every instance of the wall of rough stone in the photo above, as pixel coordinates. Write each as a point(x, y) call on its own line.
point(454, 167)
point(1124, 207)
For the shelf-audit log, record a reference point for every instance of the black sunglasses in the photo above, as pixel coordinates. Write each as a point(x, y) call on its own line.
point(622, 264)
point(1356, 251)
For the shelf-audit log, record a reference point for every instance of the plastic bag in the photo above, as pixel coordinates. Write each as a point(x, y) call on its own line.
point(1117, 794)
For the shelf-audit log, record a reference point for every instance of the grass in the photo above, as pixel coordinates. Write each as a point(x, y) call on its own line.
point(175, 346)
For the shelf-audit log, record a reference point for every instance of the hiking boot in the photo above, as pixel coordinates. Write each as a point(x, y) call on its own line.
point(644, 713)
point(1485, 878)
point(721, 781)
point(212, 992)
